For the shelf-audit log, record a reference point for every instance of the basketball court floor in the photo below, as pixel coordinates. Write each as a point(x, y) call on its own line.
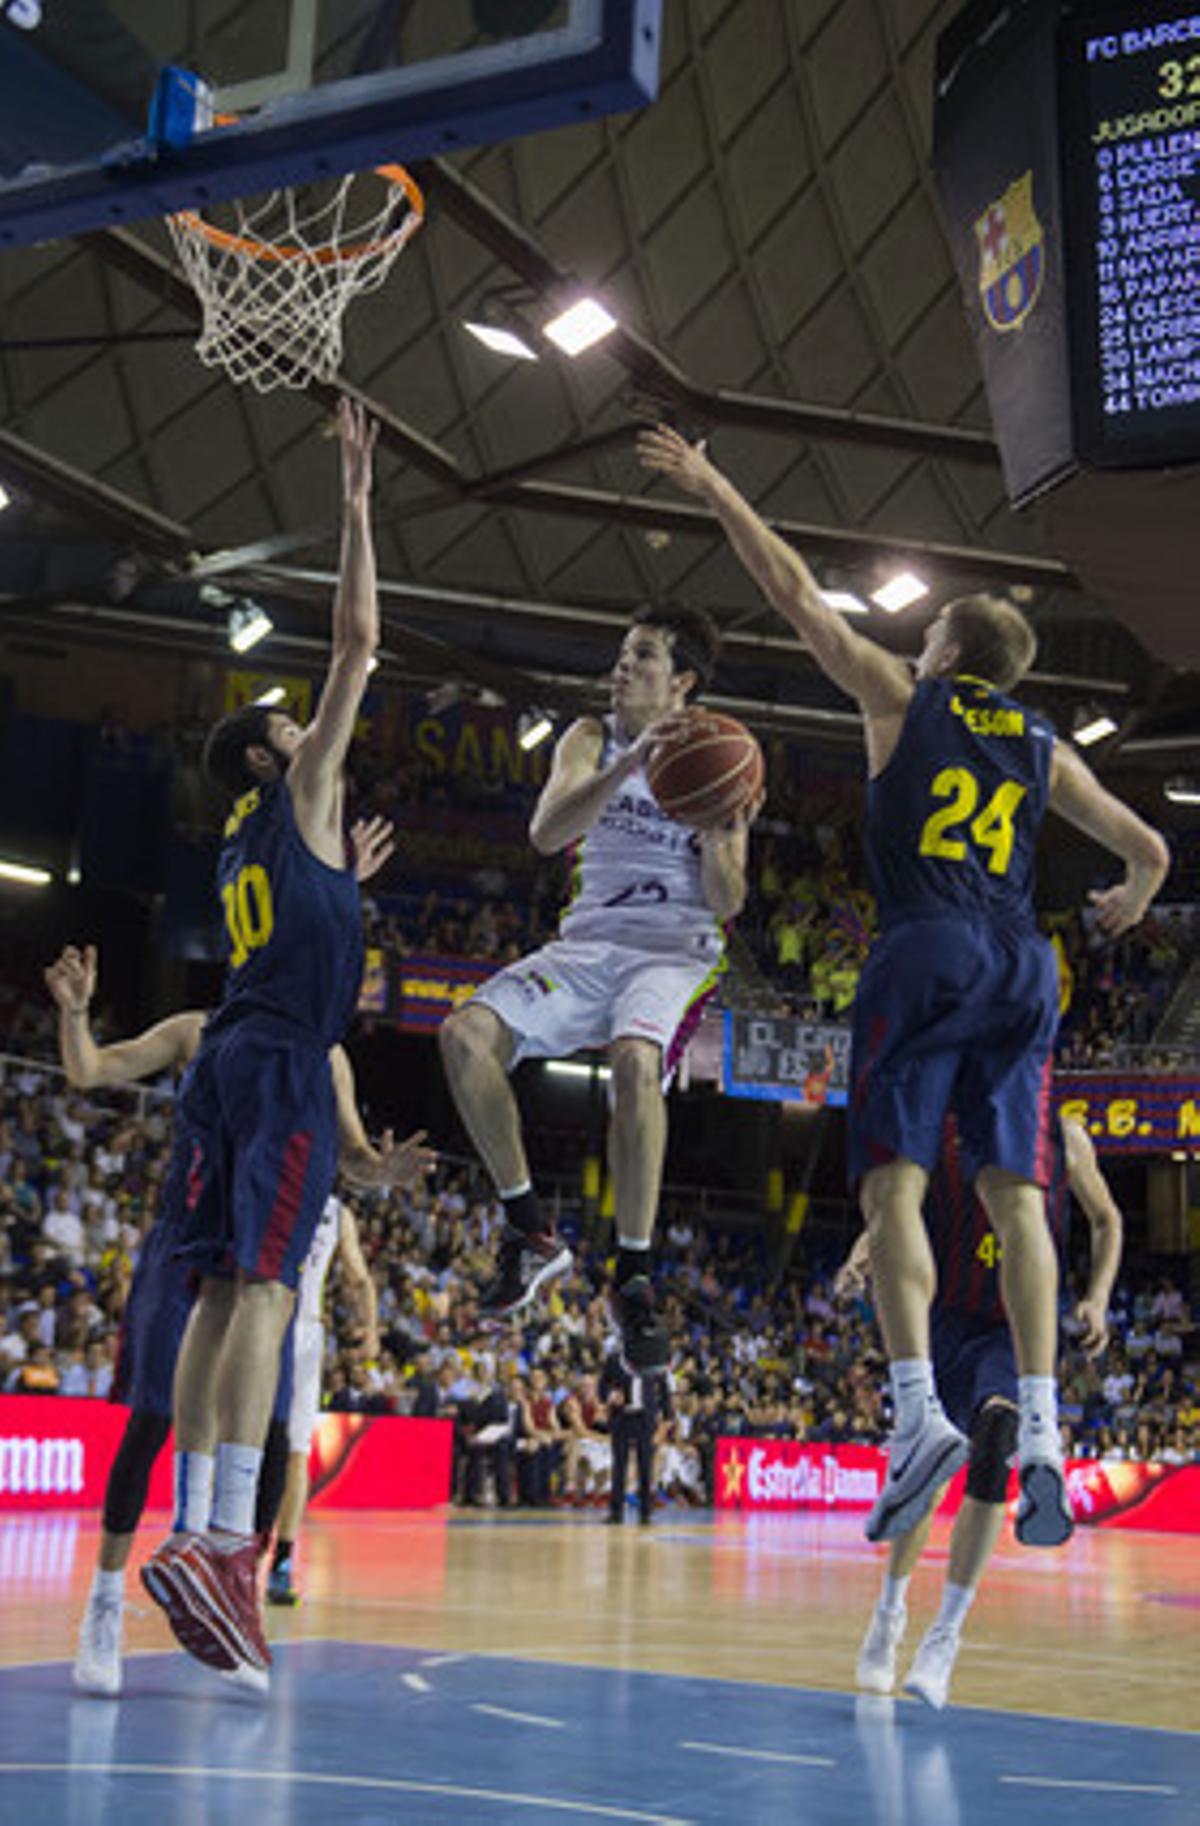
point(496, 1669)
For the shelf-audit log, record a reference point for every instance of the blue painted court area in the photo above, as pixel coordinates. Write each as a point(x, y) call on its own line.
point(355, 1733)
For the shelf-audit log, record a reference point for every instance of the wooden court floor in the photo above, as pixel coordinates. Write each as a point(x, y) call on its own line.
point(533, 1626)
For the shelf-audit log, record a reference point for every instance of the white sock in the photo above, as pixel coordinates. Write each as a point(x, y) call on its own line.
point(894, 1593)
point(633, 1242)
point(912, 1391)
point(236, 1488)
point(1038, 1397)
point(107, 1587)
point(526, 1185)
point(956, 1602)
point(193, 1492)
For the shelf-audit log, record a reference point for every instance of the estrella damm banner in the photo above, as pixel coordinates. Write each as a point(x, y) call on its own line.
point(1126, 1114)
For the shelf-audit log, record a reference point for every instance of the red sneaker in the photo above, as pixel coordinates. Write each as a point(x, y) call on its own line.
point(224, 1591)
point(162, 1577)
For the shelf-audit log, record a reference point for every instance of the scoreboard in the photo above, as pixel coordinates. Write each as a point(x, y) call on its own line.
point(1131, 131)
point(1067, 154)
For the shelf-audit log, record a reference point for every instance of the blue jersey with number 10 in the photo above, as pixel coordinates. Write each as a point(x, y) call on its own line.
point(952, 820)
point(293, 926)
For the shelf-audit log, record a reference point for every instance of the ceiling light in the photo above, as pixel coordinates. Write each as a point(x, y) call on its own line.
point(248, 624)
point(846, 601)
point(20, 871)
point(577, 328)
point(900, 592)
point(5, 497)
point(274, 694)
point(569, 1068)
point(1182, 791)
point(74, 876)
point(1092, 726)
point(372, 664)
point(500, 341)
point(532, 730)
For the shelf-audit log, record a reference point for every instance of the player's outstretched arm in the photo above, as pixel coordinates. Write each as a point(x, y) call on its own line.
point(1090, 1188)
point(1077, 795)
point(880, 681)
point(315, 776)
point(392, 1163)
point(71, 980)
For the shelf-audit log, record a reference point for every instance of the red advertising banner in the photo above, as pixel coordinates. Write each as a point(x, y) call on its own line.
point(55, 1453)
point(778, 1476)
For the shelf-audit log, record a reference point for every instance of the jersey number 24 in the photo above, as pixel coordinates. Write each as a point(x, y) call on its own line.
point(992, 829)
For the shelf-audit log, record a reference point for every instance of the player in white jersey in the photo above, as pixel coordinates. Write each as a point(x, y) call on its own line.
point(337, 1230)
point(639, 949)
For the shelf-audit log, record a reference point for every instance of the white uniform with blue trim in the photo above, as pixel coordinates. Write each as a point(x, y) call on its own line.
point(639, 948)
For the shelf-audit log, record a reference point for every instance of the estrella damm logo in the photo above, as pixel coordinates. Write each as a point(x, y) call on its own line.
point(1012, 256)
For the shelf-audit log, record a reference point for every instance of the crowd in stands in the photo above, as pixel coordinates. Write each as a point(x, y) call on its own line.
point(752, 1354)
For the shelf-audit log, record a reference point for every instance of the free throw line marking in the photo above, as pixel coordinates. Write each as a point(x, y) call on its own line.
point(1054, 1781)
point(521, 1718)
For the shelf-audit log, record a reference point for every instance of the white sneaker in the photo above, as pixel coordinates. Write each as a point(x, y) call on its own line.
point(98, 1660)
point(919, 1464)
point(933, 1664)
point(876, 1670)
point(1044, 1514)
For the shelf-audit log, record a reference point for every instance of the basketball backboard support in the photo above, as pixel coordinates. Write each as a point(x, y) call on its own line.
point(336, 87)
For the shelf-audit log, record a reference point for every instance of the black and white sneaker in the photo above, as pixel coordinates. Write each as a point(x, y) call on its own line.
point(645, 1345)
point(523, 1264)
point(919, 1463)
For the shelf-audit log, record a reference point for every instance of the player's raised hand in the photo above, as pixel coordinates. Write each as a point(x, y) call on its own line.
point(374, 842)
point(358, 434)
point(407, 1162)
point(687, 465)
point(71, 978)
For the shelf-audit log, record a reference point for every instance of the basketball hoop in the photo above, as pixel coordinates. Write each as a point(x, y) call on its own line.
point(275, 284)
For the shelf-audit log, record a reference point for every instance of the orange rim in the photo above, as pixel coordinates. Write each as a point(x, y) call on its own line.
point(254, 249)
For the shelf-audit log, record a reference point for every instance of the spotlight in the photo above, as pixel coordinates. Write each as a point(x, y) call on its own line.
point(580, 326)
point(248, 624)
point(533, 726)
point(500, 341)
point(1092, 725)
point(846, 601)
point(1182, 791)
point(21, 871)
point(900, 592)
point(274, 694)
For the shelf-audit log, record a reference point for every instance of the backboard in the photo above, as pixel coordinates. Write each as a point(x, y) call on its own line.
point(319, 87)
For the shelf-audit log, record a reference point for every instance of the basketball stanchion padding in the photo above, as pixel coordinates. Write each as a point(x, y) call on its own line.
point(707, 773)
point(275, 283)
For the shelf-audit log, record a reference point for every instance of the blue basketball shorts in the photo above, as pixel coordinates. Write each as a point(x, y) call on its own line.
point(257, 1123)
point(954, 1016)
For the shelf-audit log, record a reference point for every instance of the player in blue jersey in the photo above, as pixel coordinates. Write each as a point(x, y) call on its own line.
point(957, 1004)
point(639, 950)
point(257, 1114)
point(975, 1373)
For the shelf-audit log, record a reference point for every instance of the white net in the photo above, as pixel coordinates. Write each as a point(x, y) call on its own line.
point(275, 283)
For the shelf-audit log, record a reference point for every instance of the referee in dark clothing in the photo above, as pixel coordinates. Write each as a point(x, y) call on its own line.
point(635, 1404)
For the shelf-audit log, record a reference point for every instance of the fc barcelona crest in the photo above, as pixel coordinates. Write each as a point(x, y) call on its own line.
point(1012, 256)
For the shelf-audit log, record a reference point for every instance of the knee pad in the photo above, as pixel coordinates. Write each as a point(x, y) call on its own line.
point(993, 1446)
point(129, 1478)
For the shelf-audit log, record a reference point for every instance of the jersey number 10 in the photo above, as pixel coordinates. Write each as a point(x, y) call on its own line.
point(249, 912)
point(992, 829)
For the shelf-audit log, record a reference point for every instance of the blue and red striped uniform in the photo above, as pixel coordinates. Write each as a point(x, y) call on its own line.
point(970, 1340)
point(958, 1001)
point(256, 1116)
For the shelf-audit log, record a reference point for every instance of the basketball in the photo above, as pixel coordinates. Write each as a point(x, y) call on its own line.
point(706, 774)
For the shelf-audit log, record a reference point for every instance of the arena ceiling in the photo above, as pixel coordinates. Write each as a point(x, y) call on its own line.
point(767, 235)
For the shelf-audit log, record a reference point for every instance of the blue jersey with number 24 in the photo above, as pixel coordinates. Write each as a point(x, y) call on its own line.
point(293, 928)
point(952, 820)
